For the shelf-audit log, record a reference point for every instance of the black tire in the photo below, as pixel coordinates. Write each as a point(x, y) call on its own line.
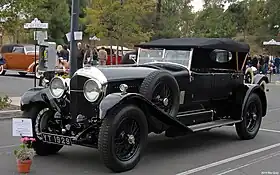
point(108, 132)
point(242, 129)
point(41, 148)
point(22, 74)
point(150, 83)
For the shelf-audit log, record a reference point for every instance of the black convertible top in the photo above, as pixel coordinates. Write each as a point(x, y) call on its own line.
point(206, 43)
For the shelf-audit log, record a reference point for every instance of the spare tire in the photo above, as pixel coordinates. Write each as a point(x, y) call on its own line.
point(162, 89)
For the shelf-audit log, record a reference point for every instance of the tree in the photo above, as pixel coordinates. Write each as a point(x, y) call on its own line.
point(58, 19)
point(15, 13)
point(120, 21)
point(213, 22)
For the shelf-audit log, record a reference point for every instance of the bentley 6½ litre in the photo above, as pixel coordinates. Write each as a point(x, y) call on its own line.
point(178, 86)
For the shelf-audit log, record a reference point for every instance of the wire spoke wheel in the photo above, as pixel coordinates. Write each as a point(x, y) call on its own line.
point(251, 117)
point(127, 139)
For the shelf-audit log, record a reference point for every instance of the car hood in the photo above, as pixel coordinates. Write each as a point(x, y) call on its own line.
point(114, 73)
point(125, 73)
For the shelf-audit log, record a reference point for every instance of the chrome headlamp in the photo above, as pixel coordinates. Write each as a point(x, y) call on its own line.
point(92, 90)
point(57, 87)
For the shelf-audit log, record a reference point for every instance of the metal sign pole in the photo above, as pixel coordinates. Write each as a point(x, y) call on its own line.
point(35, 24)
point(73, 42)
point(35, 58)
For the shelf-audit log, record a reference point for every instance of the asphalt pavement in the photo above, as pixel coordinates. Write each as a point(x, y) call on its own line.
point(218, 151)
point(13, 85)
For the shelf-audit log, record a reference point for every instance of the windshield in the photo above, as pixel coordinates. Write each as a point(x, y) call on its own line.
point(31, 48)
point(162, 55)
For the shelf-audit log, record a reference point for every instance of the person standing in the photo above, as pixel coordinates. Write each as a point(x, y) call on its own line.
point(80, 55)
point(102, 56)
point(277, 64)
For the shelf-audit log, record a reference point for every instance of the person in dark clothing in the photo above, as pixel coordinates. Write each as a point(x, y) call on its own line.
point(80, 56)
point(277, 64)
point(64, 53)
point(126, 60)
point(255, 61)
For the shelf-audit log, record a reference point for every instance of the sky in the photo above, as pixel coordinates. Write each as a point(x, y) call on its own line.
point(197, 4)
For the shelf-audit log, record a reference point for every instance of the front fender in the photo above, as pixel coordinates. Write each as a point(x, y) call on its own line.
point(115, 100)
point(258, 78)
point(34, 95)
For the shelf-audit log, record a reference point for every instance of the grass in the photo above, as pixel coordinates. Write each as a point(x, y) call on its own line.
point(5, 102)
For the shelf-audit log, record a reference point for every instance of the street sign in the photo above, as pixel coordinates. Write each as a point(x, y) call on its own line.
point(40, 36)
point(77, 36)
point(36, 24)
point(94, 38)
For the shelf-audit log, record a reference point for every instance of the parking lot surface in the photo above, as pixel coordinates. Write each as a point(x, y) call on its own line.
point(218, 151)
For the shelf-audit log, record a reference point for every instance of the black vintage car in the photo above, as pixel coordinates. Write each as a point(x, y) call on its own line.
point(178, 86)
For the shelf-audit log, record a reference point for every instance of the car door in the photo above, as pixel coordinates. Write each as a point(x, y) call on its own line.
point(221, 85)
point(16, 58)
point(201, 86)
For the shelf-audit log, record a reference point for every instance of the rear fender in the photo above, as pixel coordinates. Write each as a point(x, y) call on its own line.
point(113, 101)
point(38, 95)
point(242, 95)
point(258, 78)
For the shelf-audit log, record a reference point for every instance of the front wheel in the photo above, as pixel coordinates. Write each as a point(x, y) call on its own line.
point(40, 116)
point(122, 138)
point(2, 70)
point(252, 118)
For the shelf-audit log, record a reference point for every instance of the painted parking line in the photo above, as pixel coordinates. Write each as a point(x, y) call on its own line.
point(269, 130)
point(260, 159)
point(211, 165)
point(8, 146)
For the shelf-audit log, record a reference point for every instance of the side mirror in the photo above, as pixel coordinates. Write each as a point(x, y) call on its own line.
point(133, 57)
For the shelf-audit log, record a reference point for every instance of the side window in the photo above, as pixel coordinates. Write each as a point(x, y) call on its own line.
point(221, 56)
point(18, 49)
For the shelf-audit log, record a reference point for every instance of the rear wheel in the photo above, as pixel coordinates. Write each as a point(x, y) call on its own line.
point(36, 72)
point(252, 117)
point(122, 138)
point(40, 117)
point(2, 70)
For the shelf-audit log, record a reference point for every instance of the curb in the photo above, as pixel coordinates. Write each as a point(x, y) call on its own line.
point(6, 115)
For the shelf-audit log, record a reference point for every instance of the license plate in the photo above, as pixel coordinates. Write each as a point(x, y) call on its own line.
point(56, 139)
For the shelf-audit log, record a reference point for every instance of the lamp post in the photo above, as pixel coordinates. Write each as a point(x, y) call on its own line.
point(73, 43)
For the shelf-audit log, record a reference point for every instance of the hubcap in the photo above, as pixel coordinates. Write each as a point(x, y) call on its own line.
point(165, 101)
point(131, 139)
point(162, 97)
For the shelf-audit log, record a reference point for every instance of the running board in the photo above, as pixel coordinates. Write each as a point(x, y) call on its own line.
point(213, 124)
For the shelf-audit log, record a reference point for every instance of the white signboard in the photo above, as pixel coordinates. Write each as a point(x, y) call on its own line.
point(40, 35)
point(36, 24)
point(77, 36)
point(22, 127)
point(94, 38)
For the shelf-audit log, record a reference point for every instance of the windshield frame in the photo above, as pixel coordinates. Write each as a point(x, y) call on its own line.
point(188, 66)
point(31, 46)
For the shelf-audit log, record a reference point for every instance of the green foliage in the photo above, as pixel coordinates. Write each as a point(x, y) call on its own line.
point(25, 150)
point(109, 18)
point(56, 13)
point(5, 102)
